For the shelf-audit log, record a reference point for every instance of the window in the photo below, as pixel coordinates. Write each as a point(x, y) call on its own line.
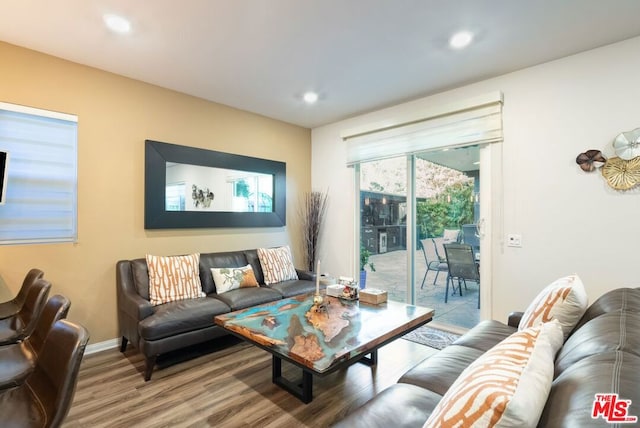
point(41, 191)
point(174, 198)
point(249, 195)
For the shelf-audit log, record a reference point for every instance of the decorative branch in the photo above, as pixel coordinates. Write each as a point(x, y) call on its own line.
point(312, 212)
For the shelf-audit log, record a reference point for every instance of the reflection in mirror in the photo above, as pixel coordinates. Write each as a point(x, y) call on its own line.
point(202, 188)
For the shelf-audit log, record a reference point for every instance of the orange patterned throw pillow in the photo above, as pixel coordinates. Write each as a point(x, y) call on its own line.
point(507, 386)
point(564, 299)
point(173, 278)
point(227, 279)
point(277, 264)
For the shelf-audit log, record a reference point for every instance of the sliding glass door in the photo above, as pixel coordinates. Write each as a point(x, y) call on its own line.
point(447, 209)
point(383, 225)
point(410, 207)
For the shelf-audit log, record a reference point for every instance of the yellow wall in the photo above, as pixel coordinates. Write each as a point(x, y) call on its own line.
point(115, 116)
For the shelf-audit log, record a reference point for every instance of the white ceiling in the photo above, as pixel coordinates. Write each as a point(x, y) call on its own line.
point(359, 55)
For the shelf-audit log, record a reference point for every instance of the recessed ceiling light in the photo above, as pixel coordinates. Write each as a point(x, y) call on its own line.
point(460, 40)
point(117, 23)
point(310, 97)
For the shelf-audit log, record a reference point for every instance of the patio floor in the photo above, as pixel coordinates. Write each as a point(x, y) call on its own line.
point(391, 272)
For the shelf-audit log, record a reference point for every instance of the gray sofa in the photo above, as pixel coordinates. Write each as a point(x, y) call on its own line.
point(600, 356)
point(156, 330)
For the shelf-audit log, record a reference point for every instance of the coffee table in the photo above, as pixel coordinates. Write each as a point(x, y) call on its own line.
point(321, 341)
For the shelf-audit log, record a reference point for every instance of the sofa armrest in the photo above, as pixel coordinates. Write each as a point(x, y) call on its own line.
point(306, 275)
point(129, 301)
point(135, 306)
point(514, 319)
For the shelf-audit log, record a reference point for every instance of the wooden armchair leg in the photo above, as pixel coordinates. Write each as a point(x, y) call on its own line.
point(123, 344)
point(150, 363)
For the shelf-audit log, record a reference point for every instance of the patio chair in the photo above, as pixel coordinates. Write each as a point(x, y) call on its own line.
point(462, 267)
point(451, 235)
point(431, 258)
point(439, 243)
point(470, 236)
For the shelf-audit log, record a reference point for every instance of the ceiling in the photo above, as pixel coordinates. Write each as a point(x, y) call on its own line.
point(358, 55)
point(465, 159)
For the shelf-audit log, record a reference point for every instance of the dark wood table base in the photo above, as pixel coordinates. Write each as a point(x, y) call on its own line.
point(295, 330)
point(303, 389)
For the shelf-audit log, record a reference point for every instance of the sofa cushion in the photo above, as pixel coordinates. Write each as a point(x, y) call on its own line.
point(174, 318)
point(227, 279)
point(277, 264)
point(571, 399)
point(173, 278)
point(438, 372)
point(613, 331)
point(564, 299)
point(620, 299)
point(230, 259)
point(505, 387)
point(485, 335)
point(254, 261)
point(400, 405)
point(244, 297)
point(294, 287)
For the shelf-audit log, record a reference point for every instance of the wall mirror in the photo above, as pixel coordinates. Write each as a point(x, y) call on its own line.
point(188, 187)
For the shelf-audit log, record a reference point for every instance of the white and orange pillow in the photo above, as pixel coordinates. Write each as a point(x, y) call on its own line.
point(564, 299)
point(174, 278)
point(277, 264)
point(227, 279)
point(507, 386)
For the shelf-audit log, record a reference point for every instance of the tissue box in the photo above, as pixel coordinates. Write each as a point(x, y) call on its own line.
point(343, 291)
point(373, 296)
point(335, 290)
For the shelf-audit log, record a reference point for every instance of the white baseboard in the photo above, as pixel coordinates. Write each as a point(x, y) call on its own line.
point(101, 346)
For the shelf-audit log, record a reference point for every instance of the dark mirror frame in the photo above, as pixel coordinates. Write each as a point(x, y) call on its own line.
point(157, 154)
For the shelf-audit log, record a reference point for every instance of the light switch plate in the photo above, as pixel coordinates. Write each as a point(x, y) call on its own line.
point(514, 240)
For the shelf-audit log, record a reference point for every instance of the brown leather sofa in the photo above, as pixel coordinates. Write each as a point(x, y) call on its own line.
point(600, 356)
point(156, 330)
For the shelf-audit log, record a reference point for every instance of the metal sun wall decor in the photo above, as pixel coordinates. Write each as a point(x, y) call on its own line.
point(621, 172)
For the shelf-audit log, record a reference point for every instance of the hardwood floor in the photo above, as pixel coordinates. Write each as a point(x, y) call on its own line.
point(230, 387)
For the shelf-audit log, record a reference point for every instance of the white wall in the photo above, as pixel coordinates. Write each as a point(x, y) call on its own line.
point(570, 221)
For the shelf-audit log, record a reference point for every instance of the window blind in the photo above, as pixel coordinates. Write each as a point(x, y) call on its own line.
point(465, 126)
point(41, 197)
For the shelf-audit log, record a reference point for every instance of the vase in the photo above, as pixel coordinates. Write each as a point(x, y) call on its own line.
point(363, 279)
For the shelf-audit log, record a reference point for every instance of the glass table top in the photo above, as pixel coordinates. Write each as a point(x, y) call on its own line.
point(322, 338)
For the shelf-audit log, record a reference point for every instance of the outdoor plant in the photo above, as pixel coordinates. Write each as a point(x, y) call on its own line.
point(450, 210)
point(364, 260)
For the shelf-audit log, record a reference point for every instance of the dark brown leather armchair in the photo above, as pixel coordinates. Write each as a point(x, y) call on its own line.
point(18, 360)
point(12, 307)
point(46, 396)
point(19, 326)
